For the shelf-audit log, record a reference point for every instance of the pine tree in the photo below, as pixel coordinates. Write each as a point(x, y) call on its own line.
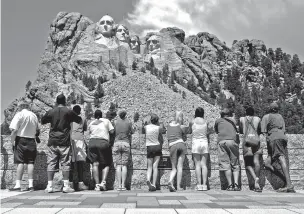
point(295, 63)
point(151, 63)
point(99, 93)
point(114, 75)
point(278, 54)
point(134, 65)
point(100, 79)
point(143, 70)
point(64, 81)
point(267, 66)
point(271, 54)
point(96, 103)
point(221, 100)
point(88, 111)
point(136, 117)
point(81, 99)
point(184, 94)
point(28, 85)
point(191, 84)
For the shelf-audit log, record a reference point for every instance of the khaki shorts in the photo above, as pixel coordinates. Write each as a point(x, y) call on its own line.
point(56, 155)
point(228, 155)
point(176, 151)
point(121, 152)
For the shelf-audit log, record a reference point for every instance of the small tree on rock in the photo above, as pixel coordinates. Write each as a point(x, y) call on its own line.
point(184, 94)
point(28, 85)
point(134, 65)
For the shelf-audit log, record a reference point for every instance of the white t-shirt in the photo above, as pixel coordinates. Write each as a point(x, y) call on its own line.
point(152, 133)
point(26, 122)
point(100, 128)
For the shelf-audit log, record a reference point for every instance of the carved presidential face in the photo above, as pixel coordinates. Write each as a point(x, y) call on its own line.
point(105, 25)
point(122, 33)
point(135, 44)
point(153, 43)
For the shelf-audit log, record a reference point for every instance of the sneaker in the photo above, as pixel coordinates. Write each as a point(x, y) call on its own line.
point(153, 188)
point(291, 189)
point(283, 189)
point(68, 189)
point(230, 188)
point(103, 186)
point(82, 186)
point(97, 187)
point(149, 185)
point(171, 187)
point(198, 187)
point(15, 189)
point(49, 190)
point(31, 189)
point(204, 188)
point(237, 187)
point(123, 188)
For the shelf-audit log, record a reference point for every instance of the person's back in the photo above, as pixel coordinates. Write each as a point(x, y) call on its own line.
point(247, 122)
point(199, 129)
point(152, 134)
point(99, 128)
point(26, 124)
point(123, 130)
point(79, 129)
point(225, 129)
point(60, 119)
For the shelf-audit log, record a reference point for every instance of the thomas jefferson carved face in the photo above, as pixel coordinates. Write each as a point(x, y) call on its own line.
point(153, 43)
point(105, 25)
point(122, 33)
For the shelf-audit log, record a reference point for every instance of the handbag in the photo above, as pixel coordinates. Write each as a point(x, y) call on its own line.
point(251, 140)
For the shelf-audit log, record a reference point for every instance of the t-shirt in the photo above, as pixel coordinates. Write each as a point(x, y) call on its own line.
point(79, 129)
point(152, 134)
point(60, 119)
point(123, 130)
point(225, 129)
point(274, 126)
point(26, 122)
point(99, 128)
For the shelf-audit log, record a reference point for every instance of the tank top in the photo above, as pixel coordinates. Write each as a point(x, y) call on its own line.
point(152, 133)
point(199, 132)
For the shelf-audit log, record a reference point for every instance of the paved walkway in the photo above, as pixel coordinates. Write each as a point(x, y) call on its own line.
point(129, 202)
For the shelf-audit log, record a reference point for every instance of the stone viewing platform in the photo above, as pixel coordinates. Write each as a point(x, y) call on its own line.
point(136, 179)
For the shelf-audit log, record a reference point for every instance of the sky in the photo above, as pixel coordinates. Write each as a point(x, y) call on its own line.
point(25, 27)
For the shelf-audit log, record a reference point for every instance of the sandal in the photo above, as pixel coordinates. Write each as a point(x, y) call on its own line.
point(171, 187)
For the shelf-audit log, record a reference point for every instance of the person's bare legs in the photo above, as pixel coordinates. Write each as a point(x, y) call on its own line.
point(285, 170)
point(155, 169)
point(172, 173)
point(118, 174)
point(95, 171)
point(228, 175)
point(149, 168)
point(30, 171)
point(198, 168)
point(236, 176)
point(20, 169)
point(180, 163)
point(204, 168)
point(124, 172)
point(257, 169)
point(105, 172)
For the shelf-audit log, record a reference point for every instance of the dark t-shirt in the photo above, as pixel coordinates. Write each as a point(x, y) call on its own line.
point(123, 130)
point(225, 129)
point(60, 119)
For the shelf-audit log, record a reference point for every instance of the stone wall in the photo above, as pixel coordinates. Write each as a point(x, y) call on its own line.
point(137, 167)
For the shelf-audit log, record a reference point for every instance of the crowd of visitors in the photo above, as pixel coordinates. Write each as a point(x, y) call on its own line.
point(110, 141)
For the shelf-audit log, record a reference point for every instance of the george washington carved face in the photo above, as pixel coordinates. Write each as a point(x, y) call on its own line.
point(105, 26)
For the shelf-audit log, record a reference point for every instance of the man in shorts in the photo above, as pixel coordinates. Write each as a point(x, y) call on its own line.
point(251, 125)
point(24, 127)
point(273, 126)
point(228, 148)
point(59, 143)
point(78, 148)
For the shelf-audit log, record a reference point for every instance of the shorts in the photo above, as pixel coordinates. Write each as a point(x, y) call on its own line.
point(200, 146)
point(78, 150)
point(153, 151)
point(25, 150)
point(228, 155)
point(99, 150)
point(56, 154)
point(176, 151)
point(250, 152)
point(278, 148)
point(121, 153)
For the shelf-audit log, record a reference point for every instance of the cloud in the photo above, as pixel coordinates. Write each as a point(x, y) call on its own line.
point(228, 19)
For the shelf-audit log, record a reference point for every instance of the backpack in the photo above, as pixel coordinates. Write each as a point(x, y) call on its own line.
point(251, 139)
